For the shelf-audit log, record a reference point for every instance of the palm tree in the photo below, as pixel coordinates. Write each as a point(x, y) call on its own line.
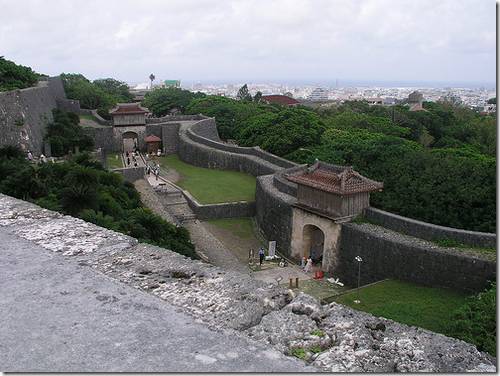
point(152, 78)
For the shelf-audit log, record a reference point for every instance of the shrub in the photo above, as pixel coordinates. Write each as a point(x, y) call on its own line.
point(475, 322)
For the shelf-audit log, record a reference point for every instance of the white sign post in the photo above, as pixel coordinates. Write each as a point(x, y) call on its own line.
point(272, 248)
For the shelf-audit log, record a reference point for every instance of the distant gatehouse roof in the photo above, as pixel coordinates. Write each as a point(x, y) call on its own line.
point(152, 138)
point(128, 109)
point(342, 180)
point(280, 99)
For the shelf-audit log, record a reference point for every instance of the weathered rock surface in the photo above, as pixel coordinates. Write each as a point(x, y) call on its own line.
point(334, 338)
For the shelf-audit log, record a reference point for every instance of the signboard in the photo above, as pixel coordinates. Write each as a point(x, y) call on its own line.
point(272, 248)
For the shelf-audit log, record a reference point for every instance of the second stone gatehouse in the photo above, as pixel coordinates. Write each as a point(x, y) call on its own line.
point(327, 195)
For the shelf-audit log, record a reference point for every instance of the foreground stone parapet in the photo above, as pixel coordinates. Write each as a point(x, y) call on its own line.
point(332, 338)
point(58, 232)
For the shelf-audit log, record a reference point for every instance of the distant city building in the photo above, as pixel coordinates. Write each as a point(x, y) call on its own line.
point(489, 108)
point(415, 100)
point(172, 83)
point(375, 101)
point(283, 100)
point(318, 94)
point(451, 98)
point(390, 101)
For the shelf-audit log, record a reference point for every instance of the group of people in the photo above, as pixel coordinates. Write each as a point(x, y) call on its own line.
point(134, 155)
point(153, 168)
point(42, 158)
point(306, 265)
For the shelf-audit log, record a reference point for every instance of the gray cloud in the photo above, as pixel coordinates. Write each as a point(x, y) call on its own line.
point(444, 40)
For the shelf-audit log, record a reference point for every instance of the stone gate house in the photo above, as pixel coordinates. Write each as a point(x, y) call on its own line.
point(129, 124)
point(327, 195)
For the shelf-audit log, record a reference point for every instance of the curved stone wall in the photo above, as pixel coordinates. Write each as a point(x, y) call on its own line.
point(429, 231)
point(204, 152)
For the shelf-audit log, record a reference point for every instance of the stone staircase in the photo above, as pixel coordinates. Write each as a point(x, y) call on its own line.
point(173, 200)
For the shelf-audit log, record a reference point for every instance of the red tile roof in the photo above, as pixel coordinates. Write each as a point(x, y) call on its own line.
point(152, 138)
point(280, 99)
point(341, 180)
point(128, 109)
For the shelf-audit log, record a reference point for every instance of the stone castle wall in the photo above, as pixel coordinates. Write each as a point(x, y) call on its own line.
point(217, 211)
point(387, 254)
point(429, 231)
point(25, 113)
point(205, 152)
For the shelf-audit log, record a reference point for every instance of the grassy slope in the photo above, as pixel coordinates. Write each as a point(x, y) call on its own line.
point(411, 304)
point(240, 227)
point(212, 186)
point(114, 160)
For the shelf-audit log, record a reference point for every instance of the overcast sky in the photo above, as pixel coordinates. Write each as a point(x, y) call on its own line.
point(260, 40)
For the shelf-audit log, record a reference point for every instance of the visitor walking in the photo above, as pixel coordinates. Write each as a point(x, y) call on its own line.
point(128, 161)
point(261, 255)
point(308, 266)
point(30, 156)
point(135, 163)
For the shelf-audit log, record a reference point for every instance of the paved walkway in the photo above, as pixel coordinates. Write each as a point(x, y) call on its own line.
point(284, 274)
point(60, 316)
point(140, 161)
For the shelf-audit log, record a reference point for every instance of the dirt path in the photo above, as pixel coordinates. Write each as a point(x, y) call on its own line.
point(239, 246)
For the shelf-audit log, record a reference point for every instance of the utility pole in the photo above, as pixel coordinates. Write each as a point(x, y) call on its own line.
point(359, 260)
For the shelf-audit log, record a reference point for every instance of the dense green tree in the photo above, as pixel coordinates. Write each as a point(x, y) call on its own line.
point(14, 76)
point(101, 94)
point(117, 89)
point(163, 100)
point(82, 188)
point(65, 134)
point(452, 187)
point(90, 96)
point(231, 115)
point(476, 321)
point(244, 94)
point(257, 97)
point(492, 100)
point(282, 132)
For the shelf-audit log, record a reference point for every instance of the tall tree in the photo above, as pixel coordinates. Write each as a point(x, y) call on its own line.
point(152, 78)
point(257, 97)
point(243, 94)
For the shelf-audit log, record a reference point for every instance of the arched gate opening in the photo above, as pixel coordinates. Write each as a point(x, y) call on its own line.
point(313, 243)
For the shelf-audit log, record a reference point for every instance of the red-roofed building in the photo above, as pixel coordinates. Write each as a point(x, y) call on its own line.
point(335, 191)
point(128, 114)
point(153, 143)
point(280, 99)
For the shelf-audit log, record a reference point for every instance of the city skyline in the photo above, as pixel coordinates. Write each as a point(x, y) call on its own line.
point(451, 42)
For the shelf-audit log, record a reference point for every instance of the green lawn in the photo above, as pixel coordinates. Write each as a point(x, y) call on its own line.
point(240, 227)
point(87, 117)
point(426, 307)
point(211, 186)
point(114, 161)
